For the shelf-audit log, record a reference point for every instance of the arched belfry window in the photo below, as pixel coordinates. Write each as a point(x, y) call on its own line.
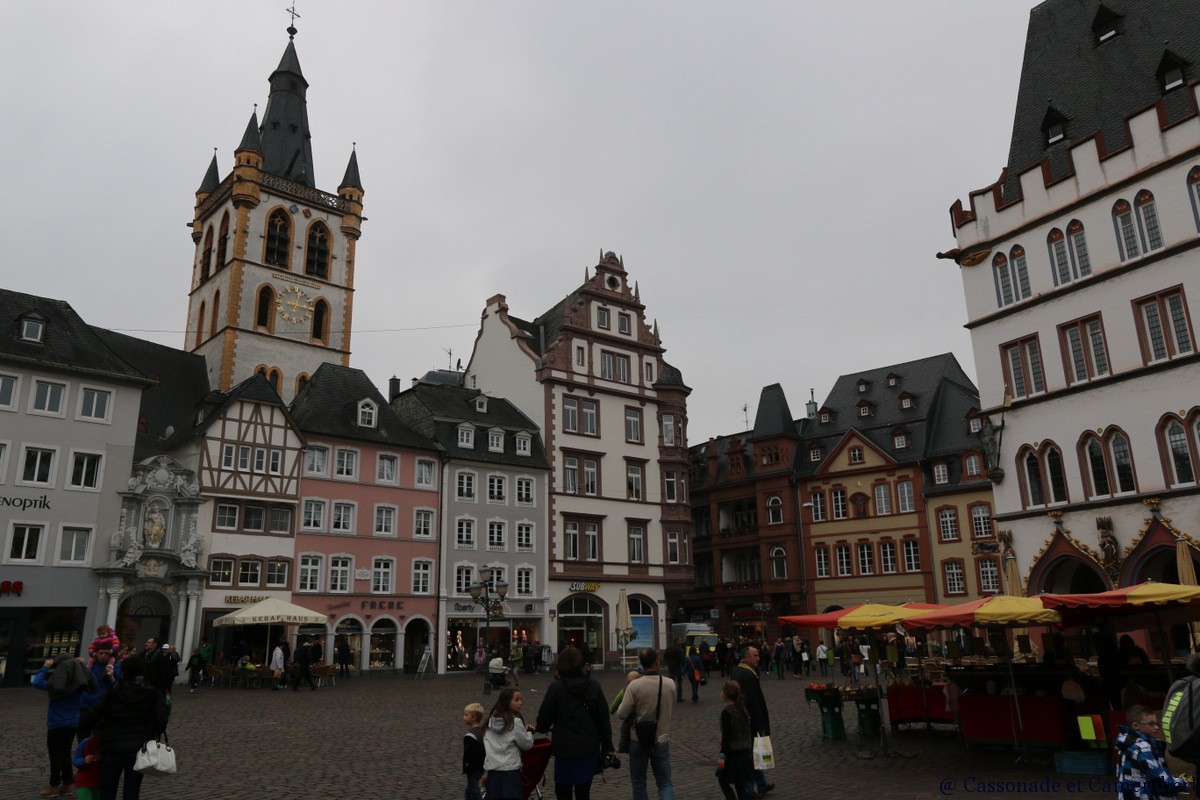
point(222, 242)
point(320, 321)
point(206, 255)
point(279, 238)
point(316, 254)
point(264, 312)
point(216, 312)
point(200, 324)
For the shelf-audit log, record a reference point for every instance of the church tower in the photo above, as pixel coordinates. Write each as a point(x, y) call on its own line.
point(273, 279)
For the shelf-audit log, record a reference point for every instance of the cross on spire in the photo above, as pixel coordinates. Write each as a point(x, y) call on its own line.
point(292, 28)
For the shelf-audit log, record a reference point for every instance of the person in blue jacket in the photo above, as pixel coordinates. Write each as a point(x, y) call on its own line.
point(66, 680)
point(106, 672)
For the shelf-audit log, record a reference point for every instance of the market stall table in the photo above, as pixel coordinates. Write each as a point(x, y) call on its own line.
point(914, 702)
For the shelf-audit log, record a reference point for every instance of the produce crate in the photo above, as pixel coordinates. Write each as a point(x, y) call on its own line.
point(1091, 762)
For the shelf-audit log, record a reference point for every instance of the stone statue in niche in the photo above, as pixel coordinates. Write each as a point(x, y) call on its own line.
point(155, 525)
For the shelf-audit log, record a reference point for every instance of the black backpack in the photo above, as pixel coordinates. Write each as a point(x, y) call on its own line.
point(1181, 719)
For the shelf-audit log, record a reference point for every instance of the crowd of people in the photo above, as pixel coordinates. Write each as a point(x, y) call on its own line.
point(580, 723)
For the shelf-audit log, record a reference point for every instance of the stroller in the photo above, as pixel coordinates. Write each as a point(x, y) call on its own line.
point(498, 673)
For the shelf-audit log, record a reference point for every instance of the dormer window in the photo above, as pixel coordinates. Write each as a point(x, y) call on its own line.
point(893, 380)
point(862, 386)
point(814, 454)
point(856, 455)
point(466, 436)
point(496, 441)
point(864, 409)
point(1171, 71)
point(976, 424)
point(1054, 126)
point(900, 441)
point(524, 444)
point(906, 401)
point(33, 329)
point(367, 414)
point(824, 416)
point(481, 404)
point(1106, 24)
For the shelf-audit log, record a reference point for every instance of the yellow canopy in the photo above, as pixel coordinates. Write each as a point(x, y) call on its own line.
point(876, 615)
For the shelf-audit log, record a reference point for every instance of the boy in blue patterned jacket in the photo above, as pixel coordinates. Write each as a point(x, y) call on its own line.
point(1142, 768)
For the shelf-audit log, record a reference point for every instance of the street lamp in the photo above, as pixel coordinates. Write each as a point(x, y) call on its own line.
point(762, 609)
point(490, 598)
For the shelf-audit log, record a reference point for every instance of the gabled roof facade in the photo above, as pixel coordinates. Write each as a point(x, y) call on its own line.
point(329, 405)
point(439, 410)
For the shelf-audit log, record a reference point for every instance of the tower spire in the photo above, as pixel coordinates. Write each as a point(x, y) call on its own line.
point(285, 137)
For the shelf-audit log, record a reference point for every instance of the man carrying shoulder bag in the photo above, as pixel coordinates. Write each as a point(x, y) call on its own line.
point(651, 743)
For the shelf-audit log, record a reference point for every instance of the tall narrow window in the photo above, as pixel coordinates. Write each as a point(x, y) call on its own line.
point(883, 499)
point(216, 313)
point(279, 238)
point(1097, 468)
point(264, 314)
point(1127, 241)
point(316, 255)
point(206, 255)
point(200, 324)
point(1020, 272)
point(1060, 262)
point(1148, 220)
point(1122, 462)
point(1079, 249)
point(1180, 453)
point(320, 321)
point(1004, 286)
point(222, 242)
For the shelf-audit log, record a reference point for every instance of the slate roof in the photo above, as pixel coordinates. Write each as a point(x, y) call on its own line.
point(437, 410)
point(773, 417)
point(285, 139)
point(328, 406)
point(351, 178)
point(1096, 85)
point(168, 407)
point(68, 343)
point(936, 424)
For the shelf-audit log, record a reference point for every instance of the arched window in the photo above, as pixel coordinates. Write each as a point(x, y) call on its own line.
point(1122, 461)
point(1180, 459)
point(200, 324)
point(301, 382)
point(778, 563)
point(276, 379)
point(1045, 483)
point(1020, 272)
point(264, 313)
point(1097, 467)
point(320, 321)
point(316, 255)
point(279, 238)
point(1107, 464)
point(1060, 261)
point(222, 242)
point(1148, 221)
point(1193, 180)
point(774, 510)
point(1004, 286)
point(206, 255)
point(1079, 250)
point(216, 312)
point(1127, 239)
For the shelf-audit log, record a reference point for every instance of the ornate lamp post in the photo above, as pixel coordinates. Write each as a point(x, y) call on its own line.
point(762, 609)
point(490, 598)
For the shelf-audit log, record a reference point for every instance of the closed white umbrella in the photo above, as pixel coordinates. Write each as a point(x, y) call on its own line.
point(625, 631)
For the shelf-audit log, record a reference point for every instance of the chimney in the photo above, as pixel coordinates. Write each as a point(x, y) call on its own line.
point(811, 405)
point(393, 388)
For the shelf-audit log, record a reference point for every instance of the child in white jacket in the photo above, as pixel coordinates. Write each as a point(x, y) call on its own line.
point(504, 738)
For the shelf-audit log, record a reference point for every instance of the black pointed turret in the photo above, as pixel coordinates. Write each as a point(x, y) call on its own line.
point(351, 178)
point(250, 139)
point(285, 138)
point(212, 178)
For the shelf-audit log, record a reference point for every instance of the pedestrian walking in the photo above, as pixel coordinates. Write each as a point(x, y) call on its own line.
point(130, 714)
point(504, 739)
point(697, 675)
point(278, 681)
point(735, 766)
point(822, 655)
point(675, 656)
point(303, 672)
point(746, 674)
point(473, 752)
point(66, 680)
point(651, 744)
point(575, 713)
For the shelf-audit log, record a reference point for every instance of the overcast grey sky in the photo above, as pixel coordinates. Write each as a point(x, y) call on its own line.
point(776, 174)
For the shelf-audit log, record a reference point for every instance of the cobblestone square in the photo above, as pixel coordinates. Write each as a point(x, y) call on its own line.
point(377, 737)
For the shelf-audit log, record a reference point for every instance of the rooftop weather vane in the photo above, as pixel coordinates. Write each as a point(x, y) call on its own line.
point(292, 28)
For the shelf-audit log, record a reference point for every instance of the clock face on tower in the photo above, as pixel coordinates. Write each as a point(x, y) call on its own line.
point(294, 305)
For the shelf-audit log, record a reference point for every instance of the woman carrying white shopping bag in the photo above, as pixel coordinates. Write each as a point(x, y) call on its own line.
point(129, 715)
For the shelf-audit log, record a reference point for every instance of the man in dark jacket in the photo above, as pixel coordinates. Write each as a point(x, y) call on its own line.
point(303, 659)
point(130, 714)
point(746, 674)
point(673, 655)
